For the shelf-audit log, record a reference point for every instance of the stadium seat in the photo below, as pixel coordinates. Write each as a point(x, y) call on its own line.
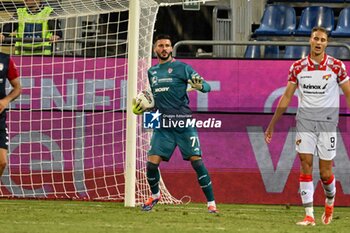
point(327, 1)
point(343, 26)
point(313, 16)
point(277, 20)
point(252, 51)
point(307, 1)
point(271, 51)
point(296, 52)
point(338, 52)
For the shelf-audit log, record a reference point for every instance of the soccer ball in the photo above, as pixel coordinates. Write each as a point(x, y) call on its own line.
point(146, 98)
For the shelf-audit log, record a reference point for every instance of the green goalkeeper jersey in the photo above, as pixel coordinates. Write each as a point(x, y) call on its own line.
point(168, 82)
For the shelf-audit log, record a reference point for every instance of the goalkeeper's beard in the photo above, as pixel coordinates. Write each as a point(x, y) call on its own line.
point(164, 58)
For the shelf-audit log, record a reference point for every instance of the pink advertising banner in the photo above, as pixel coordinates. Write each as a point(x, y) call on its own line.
point(72, 83)
point(243, 85)
point(237, 155)
point(244, 94)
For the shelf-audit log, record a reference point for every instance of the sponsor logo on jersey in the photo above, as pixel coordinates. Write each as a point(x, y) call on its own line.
point(327, 76)
point(161, 89)
point(154, 80)
point(165, 80)
point(312, 87)
point(307, 76)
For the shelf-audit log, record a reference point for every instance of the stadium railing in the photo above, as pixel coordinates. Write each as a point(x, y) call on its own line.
point(247, 43)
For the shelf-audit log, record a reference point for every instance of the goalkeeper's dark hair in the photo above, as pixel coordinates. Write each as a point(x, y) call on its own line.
point(163, 37)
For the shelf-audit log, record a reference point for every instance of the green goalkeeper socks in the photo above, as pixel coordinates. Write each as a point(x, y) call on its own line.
point(203, 179)
point(153, 177)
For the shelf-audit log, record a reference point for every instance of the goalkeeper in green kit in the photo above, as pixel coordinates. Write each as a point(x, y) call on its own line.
point(168, 81)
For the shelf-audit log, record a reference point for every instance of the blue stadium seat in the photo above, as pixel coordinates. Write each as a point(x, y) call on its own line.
point(313, 16)
point(338, 52)
point(252, 51)
point(296, 52)
point(326, 1)
point(271, 51)
point(343, 26)
point(277, 20)
point(307, 1)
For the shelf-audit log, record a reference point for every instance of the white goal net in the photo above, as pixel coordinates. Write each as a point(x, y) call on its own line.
point(67, 130)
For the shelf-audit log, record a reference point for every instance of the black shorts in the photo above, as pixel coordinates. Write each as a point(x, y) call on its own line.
point(4, 139)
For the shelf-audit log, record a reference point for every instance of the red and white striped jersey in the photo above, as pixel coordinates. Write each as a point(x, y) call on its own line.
point(318, 87)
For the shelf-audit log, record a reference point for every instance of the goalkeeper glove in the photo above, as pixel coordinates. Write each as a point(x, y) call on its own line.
point(196, 82)
point(137, 107)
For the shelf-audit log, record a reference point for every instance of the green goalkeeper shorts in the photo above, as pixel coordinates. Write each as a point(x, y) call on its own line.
point(164, 142)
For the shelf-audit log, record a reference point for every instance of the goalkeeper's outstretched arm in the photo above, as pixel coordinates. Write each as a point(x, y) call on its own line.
point(199, 84)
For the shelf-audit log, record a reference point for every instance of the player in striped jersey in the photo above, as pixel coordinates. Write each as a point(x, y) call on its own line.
point(318, 78)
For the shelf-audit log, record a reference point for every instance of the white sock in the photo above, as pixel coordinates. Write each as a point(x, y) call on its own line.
point(307, 192)
point(309, 211)
point(211, 203)
point(329, 190)
point(155, 196)
point(330, 201)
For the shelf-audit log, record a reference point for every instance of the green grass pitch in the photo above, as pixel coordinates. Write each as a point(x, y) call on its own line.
point(40, 216)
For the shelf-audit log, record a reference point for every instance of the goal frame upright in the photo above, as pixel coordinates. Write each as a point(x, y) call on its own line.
point(131, 130)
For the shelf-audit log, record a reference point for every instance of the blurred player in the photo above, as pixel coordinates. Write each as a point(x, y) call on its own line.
point(33, 22)
point(318, 78)
point(8, 71)
point(168, 81)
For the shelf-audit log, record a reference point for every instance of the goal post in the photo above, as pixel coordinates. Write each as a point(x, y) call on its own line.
point(71, 134)
point(133, 48)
